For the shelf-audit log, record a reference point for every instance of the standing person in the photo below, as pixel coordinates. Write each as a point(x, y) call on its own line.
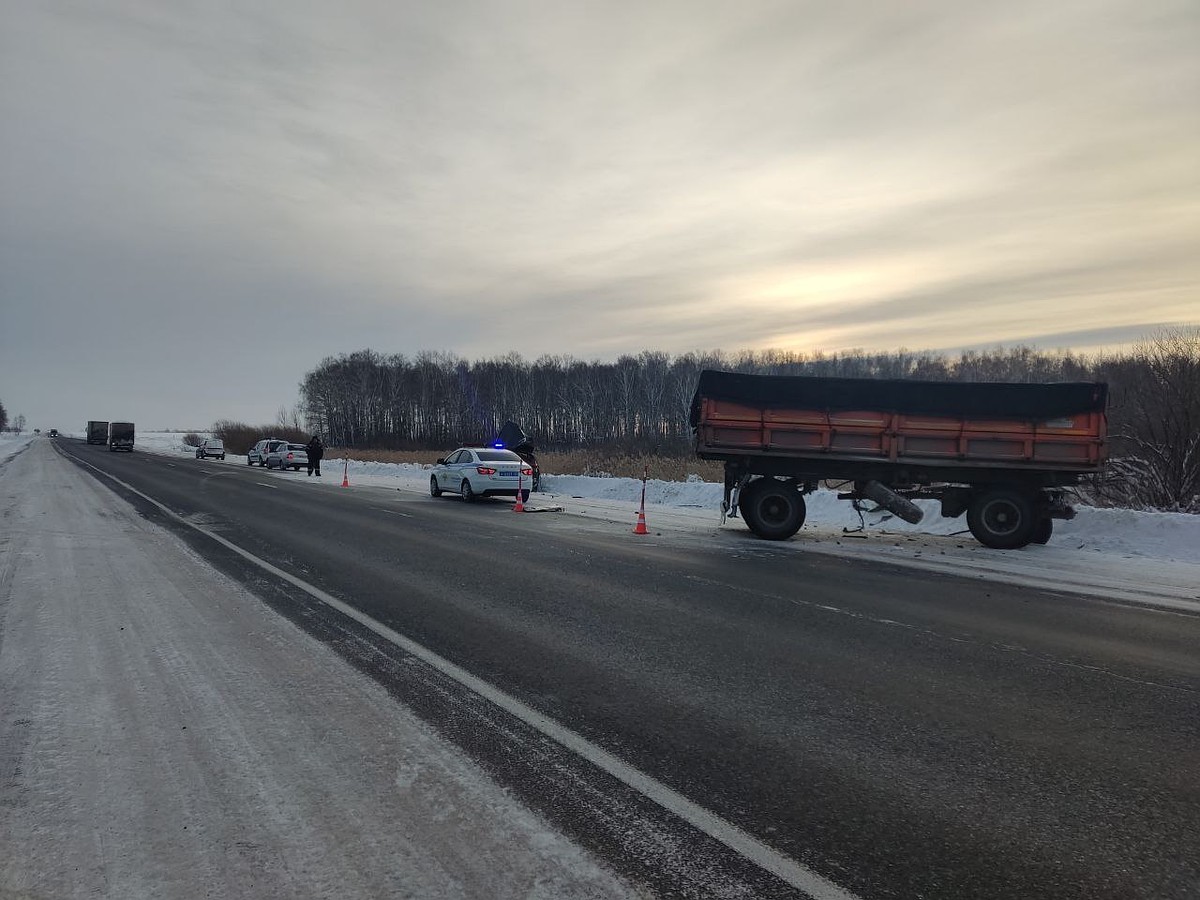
point(315, 450)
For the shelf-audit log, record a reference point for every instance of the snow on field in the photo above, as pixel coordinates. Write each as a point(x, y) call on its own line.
point(12, 444)
point(1129, 554)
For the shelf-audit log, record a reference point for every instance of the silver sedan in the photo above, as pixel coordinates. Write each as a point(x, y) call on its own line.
point(287, 456)
point(473, 472)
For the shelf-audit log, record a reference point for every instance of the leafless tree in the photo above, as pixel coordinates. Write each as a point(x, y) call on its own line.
point(640, 403)
point(1156, 422)
point(290, 419)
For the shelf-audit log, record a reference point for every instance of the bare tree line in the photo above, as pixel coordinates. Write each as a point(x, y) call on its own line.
point(639, 404)
point(1154, 421)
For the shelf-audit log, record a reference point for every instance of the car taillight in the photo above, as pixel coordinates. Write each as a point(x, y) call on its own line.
point(526, 471)
point(485, 470)
point(289, 456)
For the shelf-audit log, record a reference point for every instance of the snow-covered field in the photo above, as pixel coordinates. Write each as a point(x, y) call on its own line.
point(1128, 554)
point(12, 444)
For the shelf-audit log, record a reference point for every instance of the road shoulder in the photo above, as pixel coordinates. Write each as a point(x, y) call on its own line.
point(164, 732)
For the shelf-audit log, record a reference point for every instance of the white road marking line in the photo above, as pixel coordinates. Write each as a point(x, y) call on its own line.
point(393, 512)
point(273, 487)
point(786, 869)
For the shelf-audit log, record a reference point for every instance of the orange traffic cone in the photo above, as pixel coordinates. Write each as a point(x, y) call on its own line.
point(519, 506)
point(640, 528)
point(346, 473)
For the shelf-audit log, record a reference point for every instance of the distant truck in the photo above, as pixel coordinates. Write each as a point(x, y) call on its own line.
point(120, 436)
point(97, 432)
point(1005, 454)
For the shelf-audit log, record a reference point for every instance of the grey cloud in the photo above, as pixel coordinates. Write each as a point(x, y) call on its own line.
point(590, 179)
point(1086, 338)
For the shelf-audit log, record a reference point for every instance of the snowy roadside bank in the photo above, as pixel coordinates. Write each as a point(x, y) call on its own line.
point(12, 444)
point(1141, 557)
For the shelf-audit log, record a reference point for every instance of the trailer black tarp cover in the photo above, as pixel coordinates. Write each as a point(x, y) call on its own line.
point(969, 399)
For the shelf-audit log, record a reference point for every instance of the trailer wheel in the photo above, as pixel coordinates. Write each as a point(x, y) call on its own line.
point(772, 509)
point(1041, 533)
point(1002, 518)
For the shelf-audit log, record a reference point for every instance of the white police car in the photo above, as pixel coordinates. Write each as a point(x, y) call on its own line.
point(473, 472)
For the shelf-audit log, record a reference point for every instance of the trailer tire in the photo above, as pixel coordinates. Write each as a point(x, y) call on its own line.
point(1002, 518)
point(1041, 533)
point(772, 509)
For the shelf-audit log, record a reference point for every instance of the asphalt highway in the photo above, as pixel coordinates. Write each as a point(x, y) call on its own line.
point(899, 733)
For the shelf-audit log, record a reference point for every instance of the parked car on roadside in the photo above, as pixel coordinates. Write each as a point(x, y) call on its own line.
point(212, 448)
point(287, 456)
point(473, 472)
point(257, 455)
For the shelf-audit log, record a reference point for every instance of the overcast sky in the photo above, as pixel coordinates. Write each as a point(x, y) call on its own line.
point(200, 201)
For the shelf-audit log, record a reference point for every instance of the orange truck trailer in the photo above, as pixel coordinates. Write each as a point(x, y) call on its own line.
point(1005, 454)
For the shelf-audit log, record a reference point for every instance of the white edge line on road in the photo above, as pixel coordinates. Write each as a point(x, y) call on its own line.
point(394, 512)
point(742, 843)
point(273, 487)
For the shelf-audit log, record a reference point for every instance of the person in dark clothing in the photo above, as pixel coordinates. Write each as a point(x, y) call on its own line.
point(315, 450)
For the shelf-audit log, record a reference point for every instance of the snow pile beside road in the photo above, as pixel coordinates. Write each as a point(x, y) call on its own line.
point(411, 474)
point(1173, 536)
point(12, 444)
point(166, 442)
point(699, 494)
point(1134, 532)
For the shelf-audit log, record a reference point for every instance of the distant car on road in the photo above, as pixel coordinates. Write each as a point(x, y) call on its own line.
point(258, 453)
point(213, 447)
point(53, 432)
point(287, 456)
point(473, 472)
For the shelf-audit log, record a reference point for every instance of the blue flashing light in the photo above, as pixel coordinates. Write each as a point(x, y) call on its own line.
point(498, 445)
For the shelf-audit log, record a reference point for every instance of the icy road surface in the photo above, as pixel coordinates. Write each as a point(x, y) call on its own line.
point(163, 734)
